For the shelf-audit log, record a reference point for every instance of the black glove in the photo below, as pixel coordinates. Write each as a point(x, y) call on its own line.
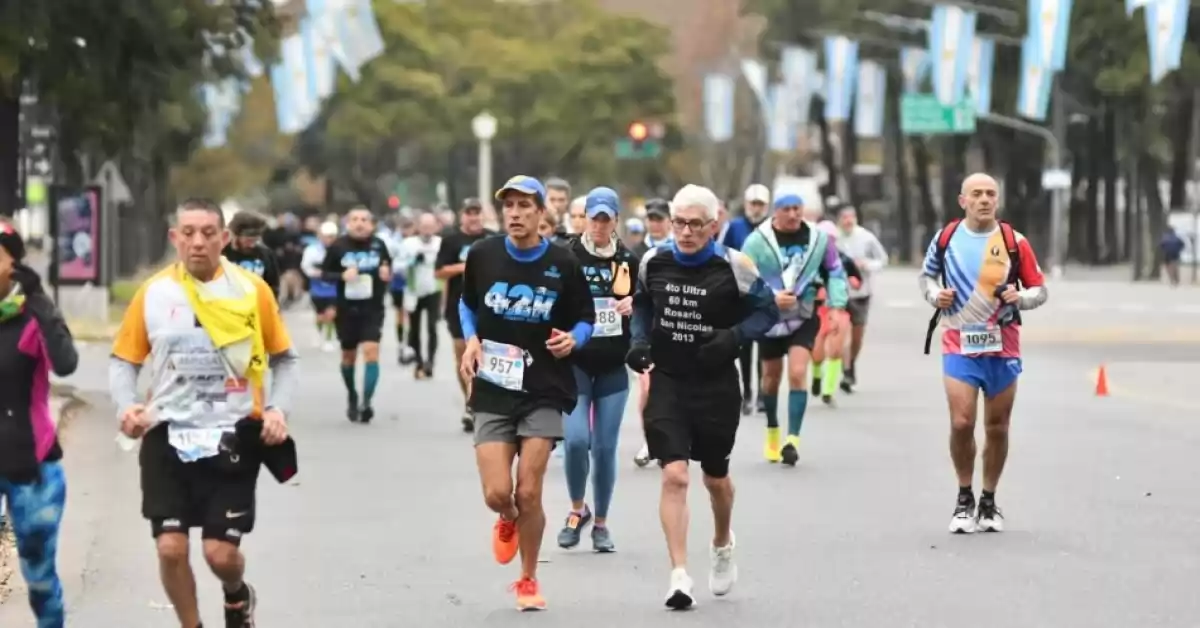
point(420, 259)
point(638, 357)
point(720, 346)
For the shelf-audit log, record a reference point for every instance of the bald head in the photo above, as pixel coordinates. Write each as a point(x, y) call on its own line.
point(980, 198)
point(428, 224)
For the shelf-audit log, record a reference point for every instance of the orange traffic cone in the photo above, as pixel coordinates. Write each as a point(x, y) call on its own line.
point(1101, 382)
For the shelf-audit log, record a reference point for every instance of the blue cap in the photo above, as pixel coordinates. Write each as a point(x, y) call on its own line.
point(602, 201)
point(525, 185)
point(788, 200)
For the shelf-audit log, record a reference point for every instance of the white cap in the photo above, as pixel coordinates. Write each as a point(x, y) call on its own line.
point(759, 193)
point(329, 229)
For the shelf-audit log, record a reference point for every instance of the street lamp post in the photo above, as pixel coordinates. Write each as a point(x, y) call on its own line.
point(484, 127)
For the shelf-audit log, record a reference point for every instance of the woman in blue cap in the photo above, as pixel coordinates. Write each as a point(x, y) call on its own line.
point(592, 429)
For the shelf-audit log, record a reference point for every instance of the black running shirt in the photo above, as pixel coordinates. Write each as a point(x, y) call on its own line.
point(258, 260)
point(369, 255)
point(610, 279)
point(455, 245)
point(683, 297)
point(511, 300)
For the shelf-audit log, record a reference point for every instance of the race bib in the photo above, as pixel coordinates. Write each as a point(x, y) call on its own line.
point(195, 443)
point(980, 338)
point(503, 365)
point(360, 288)
point(608, 321)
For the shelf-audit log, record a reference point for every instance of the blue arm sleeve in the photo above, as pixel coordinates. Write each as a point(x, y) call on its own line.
point(759, 301)
point(582, 332)
point(467, 318)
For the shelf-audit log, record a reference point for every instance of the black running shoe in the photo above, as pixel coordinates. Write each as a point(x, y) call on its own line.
point(816, 387)
point(352, 411)
point(365, 414)
point(239, 613)
point(789, 455)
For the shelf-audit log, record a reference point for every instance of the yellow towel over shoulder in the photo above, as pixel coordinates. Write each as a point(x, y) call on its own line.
point(232, 322)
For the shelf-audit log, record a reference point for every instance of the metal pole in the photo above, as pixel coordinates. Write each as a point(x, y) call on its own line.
point(1056, 209)
point(1057, 204)
point(485, 170)
point(1194, 196)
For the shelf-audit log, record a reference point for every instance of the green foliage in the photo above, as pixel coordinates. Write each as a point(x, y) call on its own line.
point(562, 79)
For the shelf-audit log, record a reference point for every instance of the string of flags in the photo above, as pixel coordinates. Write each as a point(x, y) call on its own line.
point(955, 67)
point(333, 35)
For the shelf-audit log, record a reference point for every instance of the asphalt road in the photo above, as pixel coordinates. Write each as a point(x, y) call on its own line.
point(386, 525)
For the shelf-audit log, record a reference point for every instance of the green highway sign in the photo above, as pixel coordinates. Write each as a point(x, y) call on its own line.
point(626, 148)
point(922, 114)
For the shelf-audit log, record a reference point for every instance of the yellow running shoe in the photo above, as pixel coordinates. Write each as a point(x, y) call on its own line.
point(771, 447)
point(790, 452)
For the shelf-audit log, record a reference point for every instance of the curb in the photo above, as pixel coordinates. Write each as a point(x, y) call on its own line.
point(66, 405)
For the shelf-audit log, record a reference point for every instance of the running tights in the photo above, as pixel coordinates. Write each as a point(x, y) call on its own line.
point(35, 511)
point(426, 307)
point(745, 357)
point(606, 394)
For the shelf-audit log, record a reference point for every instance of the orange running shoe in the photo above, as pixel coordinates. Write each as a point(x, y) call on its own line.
point(529, 595)
point(504, 541)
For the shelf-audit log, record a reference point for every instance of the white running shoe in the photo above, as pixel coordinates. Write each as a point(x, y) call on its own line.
point(723, 573)
point(989, 518)
point(679, 596)
point(329, 346)
point(643, 456)
point(963, 521)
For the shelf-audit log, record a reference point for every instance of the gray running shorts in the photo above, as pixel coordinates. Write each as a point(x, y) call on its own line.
point(536, 423)
point(858, 309)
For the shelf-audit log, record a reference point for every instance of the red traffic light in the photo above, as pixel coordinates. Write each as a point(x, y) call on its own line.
point(638, 131)
point(394, 202)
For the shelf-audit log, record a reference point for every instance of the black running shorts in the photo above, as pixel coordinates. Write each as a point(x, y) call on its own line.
point(215, 494)
point(356, 326)
point(693, 419)
point(321, 304)
point(805, 336)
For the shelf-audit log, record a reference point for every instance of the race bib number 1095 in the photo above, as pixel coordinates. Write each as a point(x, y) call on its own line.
point(981, 338)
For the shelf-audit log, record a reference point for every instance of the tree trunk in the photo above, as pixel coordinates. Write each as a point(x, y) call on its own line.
point(1156, 216)
point(1111, 169)
point(10, 150)
point(1094, 156)
point(929, 218)
point(1180, 131)
point(903, 199)
point(954, 166)
point(827, 156)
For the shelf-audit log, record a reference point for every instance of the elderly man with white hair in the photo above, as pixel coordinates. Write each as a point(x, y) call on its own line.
point(696, 302)
point(577, 220)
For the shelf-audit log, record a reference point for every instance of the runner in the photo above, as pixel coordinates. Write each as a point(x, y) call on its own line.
point(830, 345)
point(858, 243)
point(207, 330)
point(520, 296)
point(323, 293)
point(979, 274)
point(635, 237)
point(695, 303)
point(593, 428)
point(658, 233)
point(754, 213)
point(577, 219)
point(558, 196)
point(36, 341)
point(793, 257)
point(451, 262)
point(398, 287)
point(247, 250)
point(361, 267)
point(423, 293)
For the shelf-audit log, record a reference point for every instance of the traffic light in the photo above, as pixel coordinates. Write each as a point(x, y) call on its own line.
point(638, 132)
point(394, 202)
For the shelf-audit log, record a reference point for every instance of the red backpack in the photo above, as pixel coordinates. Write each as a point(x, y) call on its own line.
point(1014, 267)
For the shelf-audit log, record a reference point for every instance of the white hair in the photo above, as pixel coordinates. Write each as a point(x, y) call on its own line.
point(579, 201)
point(696, 196)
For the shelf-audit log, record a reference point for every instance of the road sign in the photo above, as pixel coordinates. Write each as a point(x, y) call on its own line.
point(114, 184)
point(1056, 179)
point(626, 148)
point(922, 114)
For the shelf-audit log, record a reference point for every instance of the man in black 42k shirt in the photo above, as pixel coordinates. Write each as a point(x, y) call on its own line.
point(247, 250)
point(696, 303)
point(361, 266)
point(525, 308)
point(449, 266)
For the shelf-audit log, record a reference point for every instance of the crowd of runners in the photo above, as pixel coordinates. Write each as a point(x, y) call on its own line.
point(547, 321)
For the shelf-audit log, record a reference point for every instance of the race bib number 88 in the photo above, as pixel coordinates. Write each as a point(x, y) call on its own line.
point(981, 338)
point(608, 321)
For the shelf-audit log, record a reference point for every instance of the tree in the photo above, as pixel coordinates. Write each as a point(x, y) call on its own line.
point(564, 81)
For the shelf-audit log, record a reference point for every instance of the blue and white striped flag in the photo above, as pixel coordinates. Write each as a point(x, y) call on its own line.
point(1033, 91)
point(781, 127)
point(914, 65)
point(1134, 5)
point(322, 69)
point(872, 96)
point(718, 107)
point(293, 99)
point(1050, 24)
point(798, 67)
point(980, 73)
point(756, 77)
point(950, 37)
point(1166, 29)
point(841, 71)
point(359, 32)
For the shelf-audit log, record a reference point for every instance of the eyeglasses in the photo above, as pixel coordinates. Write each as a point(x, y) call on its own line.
point(695, 225)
